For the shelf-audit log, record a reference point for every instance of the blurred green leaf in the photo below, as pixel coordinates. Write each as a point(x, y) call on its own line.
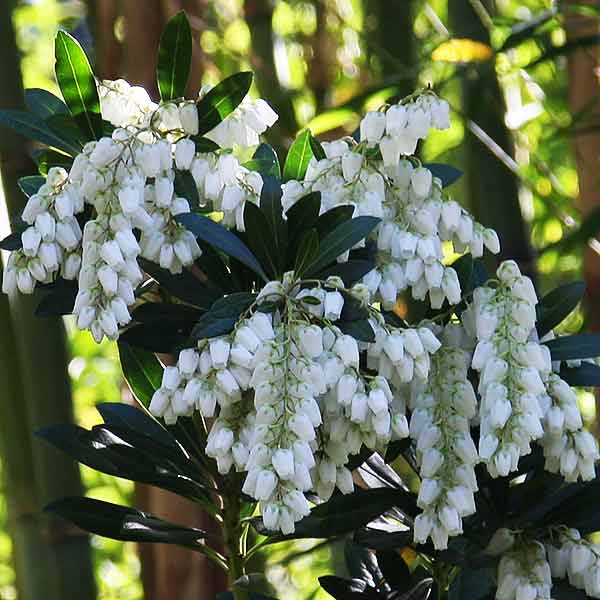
point(174, 58)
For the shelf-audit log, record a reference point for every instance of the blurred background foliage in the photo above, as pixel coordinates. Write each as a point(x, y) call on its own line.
point(521, 77)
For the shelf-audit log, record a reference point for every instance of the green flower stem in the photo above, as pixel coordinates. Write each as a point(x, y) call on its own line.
point(232, 534)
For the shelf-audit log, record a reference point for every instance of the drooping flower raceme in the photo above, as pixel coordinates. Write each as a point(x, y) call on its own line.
point(442, 408)
point(289, 400)
point(569, 449)
point(52, 241)
point(574, 557)
point(130, 179)
point(524, 574)
point(416, 218)
point(512, 366)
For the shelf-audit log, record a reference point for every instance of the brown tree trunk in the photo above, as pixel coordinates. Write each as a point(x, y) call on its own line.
point(584, 96)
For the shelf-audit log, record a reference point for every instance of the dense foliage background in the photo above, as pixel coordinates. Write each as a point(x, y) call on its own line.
point(520, 78)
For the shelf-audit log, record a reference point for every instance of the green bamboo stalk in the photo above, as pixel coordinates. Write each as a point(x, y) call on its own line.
point(493, 189)
point(41, 351)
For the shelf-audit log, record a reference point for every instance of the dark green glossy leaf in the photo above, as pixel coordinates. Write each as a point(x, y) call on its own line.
point(298, 157)
point(139, 421)
point(446, 173)
point(270, 205)
point(174, 58)
point(105, 449)
point(308, 251)
point(474, 584)
point(68, 129)
point(158, 336)
point(571, 347)
point(184, 285)
point(586, 375)
point(46, 159)
point(344, 237)
point(59, 301)
point(265, 161)
point(222, 239)
point(31, 184)
point(124, 523)
point(394, 569)
point(44, 104)
point(359, 329)
point(349, 589)
point(329, 220)
point(78, 85)
point(383, 540)
point(34, 128)
point(185, 187)
point(142, 371)
point(222, 100)
point(317, 149)
point(303, 214)
point(344, 513)
point(12, 241)
point(350, 272)
point(222, 316)
point(204, 145)
point(259, 237)
point(554, 307)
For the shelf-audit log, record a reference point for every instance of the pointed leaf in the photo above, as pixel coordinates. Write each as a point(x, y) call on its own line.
point(446, 173)
point(270, 205)
point(342, 238)
point(222, 100)
point(317, 149)
point(307, 253)
point(124, 523)
point(31, 184)
point(586, 375)
point(222, 239)
point(142, 371)
point(12, 241)
point(44, 104)
point(33, 128)
point(265, 162)
point(223, 315)
point(259, 237)
point(174, 58)
point(554, 307)
point(298, 157)
point(185, 186)
point(77, 85)
point(572, 347)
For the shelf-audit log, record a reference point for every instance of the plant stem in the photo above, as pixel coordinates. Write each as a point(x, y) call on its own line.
point(232, 533)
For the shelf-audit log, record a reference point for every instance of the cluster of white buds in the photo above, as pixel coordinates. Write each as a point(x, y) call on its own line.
point(343, 177)
point(417, 221)
point(416, 218)
point(569, 449)
point(570, 555)
point(113, 184)
point(524, 574)
point(124, 105)
point(212, 379)
point(227, 184)
point(51, 244)
point(398, 129)
point(512, 366)
point(288, 396)
point(244, 125)
point(442, 408)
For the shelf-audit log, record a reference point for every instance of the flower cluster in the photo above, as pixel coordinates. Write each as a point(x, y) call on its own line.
point(569, 449)
point(570, 555)
point(416, 218)
point(524, 574)
point(441, 412)
point(289, 398)
point(130, 180)
point(512, 366)
point(51, 243)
